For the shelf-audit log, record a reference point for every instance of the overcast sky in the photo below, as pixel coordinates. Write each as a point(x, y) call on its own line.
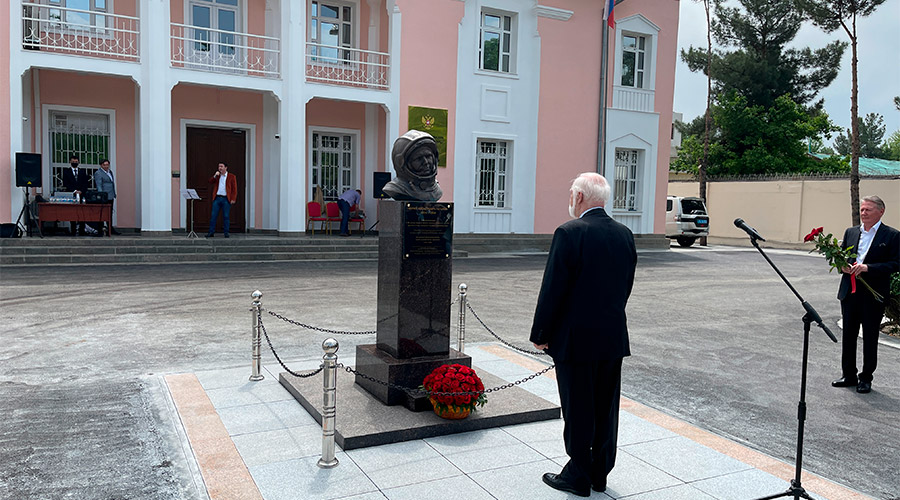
point(879, 65)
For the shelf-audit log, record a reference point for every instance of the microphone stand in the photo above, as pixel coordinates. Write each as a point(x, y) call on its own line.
point(796, 490)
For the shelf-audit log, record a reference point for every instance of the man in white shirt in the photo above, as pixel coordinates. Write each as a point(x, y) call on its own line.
point(877, 248)
point(224, 190)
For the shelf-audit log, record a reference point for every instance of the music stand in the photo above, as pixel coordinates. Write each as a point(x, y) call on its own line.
point(796, 489)
point(191, 195)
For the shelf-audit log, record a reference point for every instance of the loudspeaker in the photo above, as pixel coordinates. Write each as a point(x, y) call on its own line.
point(28, 170)
point(10, 230)
point(379, 179)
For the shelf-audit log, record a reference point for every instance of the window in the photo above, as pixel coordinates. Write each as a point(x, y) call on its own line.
point(634, 60)
point(333, 163)
point(79, 14)
point(331, 27)
point(219, 15)
point(627, 180)
point(492, 183)
point(85, 135)
point(496, 45)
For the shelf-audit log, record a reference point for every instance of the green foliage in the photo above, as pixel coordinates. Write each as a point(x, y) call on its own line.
point(871, 132)
point(831, 15)
point(892, 146)
point(761, 68)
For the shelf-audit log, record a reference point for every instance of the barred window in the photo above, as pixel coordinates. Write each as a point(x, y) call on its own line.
point(85, 135)
point(492, 189)
point(627, 179)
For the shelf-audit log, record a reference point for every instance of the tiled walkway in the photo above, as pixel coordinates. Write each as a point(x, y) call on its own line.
point(252, 440)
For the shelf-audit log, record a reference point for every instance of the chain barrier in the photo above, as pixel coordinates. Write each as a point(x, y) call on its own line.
point(300, 375)
point(418, 392)
point(316, 328)
point(526, 351)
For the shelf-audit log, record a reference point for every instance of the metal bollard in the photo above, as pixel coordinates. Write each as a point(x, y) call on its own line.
point(255, 309)
point(329, 362)
point(461, 327)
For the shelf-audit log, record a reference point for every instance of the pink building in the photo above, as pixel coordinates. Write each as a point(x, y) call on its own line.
point(300, 94)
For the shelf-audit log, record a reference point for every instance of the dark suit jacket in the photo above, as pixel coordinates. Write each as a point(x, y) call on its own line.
point(72, 184)
point(883, 260)
point(587, 282)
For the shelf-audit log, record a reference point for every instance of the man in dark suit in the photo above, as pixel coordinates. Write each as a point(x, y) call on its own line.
point(580, 322)
point(877, 257)
point(76, 180)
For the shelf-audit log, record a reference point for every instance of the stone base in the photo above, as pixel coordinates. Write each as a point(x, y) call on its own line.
point(362, 421)
point(380, 365)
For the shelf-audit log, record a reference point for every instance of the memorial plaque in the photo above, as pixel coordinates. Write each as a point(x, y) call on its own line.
point(427, 230)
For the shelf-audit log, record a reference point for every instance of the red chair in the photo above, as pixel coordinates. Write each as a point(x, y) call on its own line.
point(333, 214)
point(354, 220)
point(314, 214)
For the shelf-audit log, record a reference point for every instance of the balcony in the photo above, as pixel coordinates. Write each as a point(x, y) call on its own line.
point(219, 51)
point(347, 66)
point(80, 32)
point(632, 99)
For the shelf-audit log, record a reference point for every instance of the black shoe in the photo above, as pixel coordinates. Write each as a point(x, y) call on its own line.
point(599, 485)
point(557, 483)
point(844, 382)
point(209, 235)
point(864, 387)
point(345, 234)
point(226, 235)
point(115, 232)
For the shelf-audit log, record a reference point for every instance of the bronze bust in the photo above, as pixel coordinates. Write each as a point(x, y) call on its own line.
point(415, 157)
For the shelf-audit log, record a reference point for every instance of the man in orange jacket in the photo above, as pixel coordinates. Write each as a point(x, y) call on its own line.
point(225, 194)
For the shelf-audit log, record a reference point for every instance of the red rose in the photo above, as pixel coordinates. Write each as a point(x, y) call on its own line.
point(812, 234)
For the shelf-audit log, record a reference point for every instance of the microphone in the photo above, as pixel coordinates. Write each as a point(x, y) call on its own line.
point(749, 230)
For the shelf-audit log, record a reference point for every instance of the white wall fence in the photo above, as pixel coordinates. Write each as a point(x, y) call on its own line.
point(786, 210)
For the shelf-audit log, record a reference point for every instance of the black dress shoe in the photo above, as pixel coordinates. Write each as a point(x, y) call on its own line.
point(864, 387)
point(115, 232)
point(844, 382)
point(209, 235)
point(599, 485)
point(557, 483)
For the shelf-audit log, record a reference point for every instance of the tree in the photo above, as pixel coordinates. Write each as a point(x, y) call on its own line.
point(760, 67)
point(831, 15)
point(871, 133)
point(897, 102)
point(892, 146)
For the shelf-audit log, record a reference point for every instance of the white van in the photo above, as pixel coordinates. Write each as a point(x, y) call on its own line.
point(686, 219)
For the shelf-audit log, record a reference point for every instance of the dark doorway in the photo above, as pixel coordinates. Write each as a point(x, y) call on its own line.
point(206, 147)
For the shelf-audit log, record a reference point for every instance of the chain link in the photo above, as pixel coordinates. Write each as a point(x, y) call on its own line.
point(418, 392)
point(324, 330)
point(526, 351)
point(263, 328)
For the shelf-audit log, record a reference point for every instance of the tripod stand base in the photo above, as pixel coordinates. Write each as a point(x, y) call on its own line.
point(794, 491)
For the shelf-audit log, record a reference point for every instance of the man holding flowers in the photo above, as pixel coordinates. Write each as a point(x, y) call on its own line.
point(580, 322)
point(877, 248)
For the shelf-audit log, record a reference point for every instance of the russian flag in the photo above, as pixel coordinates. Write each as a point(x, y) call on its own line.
point(608, 13)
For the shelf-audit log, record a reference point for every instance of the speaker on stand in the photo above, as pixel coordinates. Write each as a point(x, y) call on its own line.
point(28, 175)
point(379, 180)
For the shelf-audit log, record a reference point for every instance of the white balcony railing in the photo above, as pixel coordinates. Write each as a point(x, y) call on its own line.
point(632, 99)
point(82, 32)
point(221, 51)
point(346, 66)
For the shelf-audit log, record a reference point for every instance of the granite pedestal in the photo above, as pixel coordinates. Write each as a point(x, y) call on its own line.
point(414, 292)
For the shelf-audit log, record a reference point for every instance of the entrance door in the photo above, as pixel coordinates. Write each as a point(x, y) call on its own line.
point(206, 147)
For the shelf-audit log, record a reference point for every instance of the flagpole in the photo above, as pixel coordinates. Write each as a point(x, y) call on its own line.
point(604, 62)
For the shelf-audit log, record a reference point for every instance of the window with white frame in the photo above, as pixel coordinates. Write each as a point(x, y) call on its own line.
point(627, 181)
point(333, 163)
point(634, 60)
point(492, 174)
point(79, 14)
point(497, 41)
point(221, 16)
point(331, 26)
point(85, 135)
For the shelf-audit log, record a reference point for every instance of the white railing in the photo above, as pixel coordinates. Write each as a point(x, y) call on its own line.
point(632, 99)
point(222, 51)
point(82, 32)
point(346, 66)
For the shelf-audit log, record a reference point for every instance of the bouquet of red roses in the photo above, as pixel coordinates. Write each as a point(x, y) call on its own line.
point(455, 385)
point(837, 257)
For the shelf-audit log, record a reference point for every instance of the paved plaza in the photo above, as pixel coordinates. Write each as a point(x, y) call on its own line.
point(131, 382)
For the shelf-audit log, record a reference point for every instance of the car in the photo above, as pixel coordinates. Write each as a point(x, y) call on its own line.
point(686, 219)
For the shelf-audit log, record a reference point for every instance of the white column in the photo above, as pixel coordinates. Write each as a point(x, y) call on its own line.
point(292, 187)
point(155, 178)
point(16, 110)
point(392, 112)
